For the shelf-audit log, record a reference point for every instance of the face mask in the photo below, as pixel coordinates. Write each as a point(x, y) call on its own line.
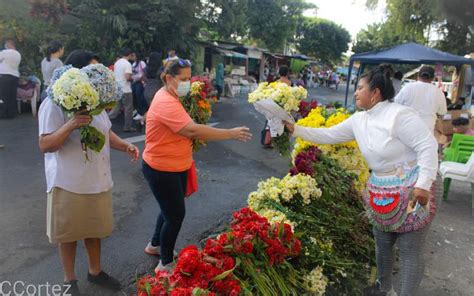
point(183, 88)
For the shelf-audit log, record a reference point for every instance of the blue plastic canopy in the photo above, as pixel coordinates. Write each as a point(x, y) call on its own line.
point(408, 53)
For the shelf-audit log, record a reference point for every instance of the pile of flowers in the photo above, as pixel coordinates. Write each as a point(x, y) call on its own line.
point(303, 234)
point(287, 97)
point(346, 154)
point(90, 91)
point(250, 258)
point(198, 105)
point(319, 200)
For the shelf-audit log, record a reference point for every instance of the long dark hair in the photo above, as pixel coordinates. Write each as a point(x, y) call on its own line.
point(154, 65)
point(380, 78)
point(53, 47)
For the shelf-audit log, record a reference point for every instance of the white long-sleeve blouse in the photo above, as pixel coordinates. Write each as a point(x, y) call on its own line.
point(389, 135)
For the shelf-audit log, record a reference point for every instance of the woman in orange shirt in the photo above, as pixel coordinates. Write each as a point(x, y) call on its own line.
point(168, 155)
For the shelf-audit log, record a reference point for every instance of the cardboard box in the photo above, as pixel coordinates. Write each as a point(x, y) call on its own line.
point(443, 123)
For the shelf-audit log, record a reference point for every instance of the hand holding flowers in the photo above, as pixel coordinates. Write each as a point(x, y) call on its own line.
point(82, 94)
point(288, 98)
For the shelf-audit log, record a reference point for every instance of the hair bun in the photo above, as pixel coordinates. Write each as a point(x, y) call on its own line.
point(386, 70)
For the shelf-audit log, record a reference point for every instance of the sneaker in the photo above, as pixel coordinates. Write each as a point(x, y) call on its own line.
point(129, 130)
point(138, 117)
point(70, 289)
point(152, 250)
point(168, 267)
point(104, 280)
point(135, 112)
point(155, 251)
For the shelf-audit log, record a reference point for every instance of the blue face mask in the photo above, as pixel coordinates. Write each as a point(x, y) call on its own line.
point(183, 88)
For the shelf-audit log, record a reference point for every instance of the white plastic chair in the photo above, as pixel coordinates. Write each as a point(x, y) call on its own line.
point(458, 171)
point(34, 100)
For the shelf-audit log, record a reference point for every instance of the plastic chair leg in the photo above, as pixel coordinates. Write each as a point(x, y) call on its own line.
point(33, 106)
point(472, 193)
point(447, 184)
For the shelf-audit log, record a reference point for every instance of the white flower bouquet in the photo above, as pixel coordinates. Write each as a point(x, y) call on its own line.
point(287, 100)
point(90, 90)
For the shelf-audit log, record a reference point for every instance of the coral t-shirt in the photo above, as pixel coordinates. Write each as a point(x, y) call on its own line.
point(165, 149)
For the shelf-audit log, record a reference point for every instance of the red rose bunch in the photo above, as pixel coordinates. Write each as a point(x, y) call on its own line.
point(252, 234)
point(306, 107)
point(207, 85)
point(305, 160)
point(211, 270)
point(194, 270)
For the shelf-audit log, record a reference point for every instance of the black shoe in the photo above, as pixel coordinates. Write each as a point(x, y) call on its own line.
point(104, 280)
point(70, 288)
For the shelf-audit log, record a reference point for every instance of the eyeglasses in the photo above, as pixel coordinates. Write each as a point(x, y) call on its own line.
point(184, 63)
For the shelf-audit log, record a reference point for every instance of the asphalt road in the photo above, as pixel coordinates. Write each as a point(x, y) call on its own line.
point(227, 171)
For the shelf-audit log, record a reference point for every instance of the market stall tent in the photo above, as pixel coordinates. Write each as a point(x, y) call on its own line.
point(408, 53)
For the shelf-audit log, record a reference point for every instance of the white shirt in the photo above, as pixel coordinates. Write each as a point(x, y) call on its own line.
point(426, 99)
point(10, 62)
point(389, 135)
point(67, 168)
point(138, 70)
point(122, 67)
point(397, 85)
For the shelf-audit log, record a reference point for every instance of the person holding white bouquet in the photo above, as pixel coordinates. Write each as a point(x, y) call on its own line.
point(79, 181)
point(403, 156)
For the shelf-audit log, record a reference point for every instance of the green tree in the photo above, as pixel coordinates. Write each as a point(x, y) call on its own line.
point(30, 29)
point(416, 20)
point(108, 25)
point(227, 19)
point(455, 38)
point(322, 39)
point(272, 23)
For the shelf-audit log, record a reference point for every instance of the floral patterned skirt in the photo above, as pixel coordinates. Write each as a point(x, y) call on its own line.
point(388, 202)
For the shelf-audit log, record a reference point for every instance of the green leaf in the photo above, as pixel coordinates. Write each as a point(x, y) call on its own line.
point(92, 138)
point(199, 292)
point(223, 275)
point(96, 112)
point(148, 288)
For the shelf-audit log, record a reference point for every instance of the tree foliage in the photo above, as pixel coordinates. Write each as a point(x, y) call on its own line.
point(272, 22)
point(322, 39)
point(148, 25)
point(420, 21)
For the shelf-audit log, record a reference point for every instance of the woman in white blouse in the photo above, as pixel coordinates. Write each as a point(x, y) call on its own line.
point(79, 192)
point(402, 154)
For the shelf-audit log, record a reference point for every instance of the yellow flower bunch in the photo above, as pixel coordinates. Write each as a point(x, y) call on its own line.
point(285, 96)
point(196, 88)
point(274, 217)
point(315, 282)
point(347, 154)
point(73, 92)
point(281, 190)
